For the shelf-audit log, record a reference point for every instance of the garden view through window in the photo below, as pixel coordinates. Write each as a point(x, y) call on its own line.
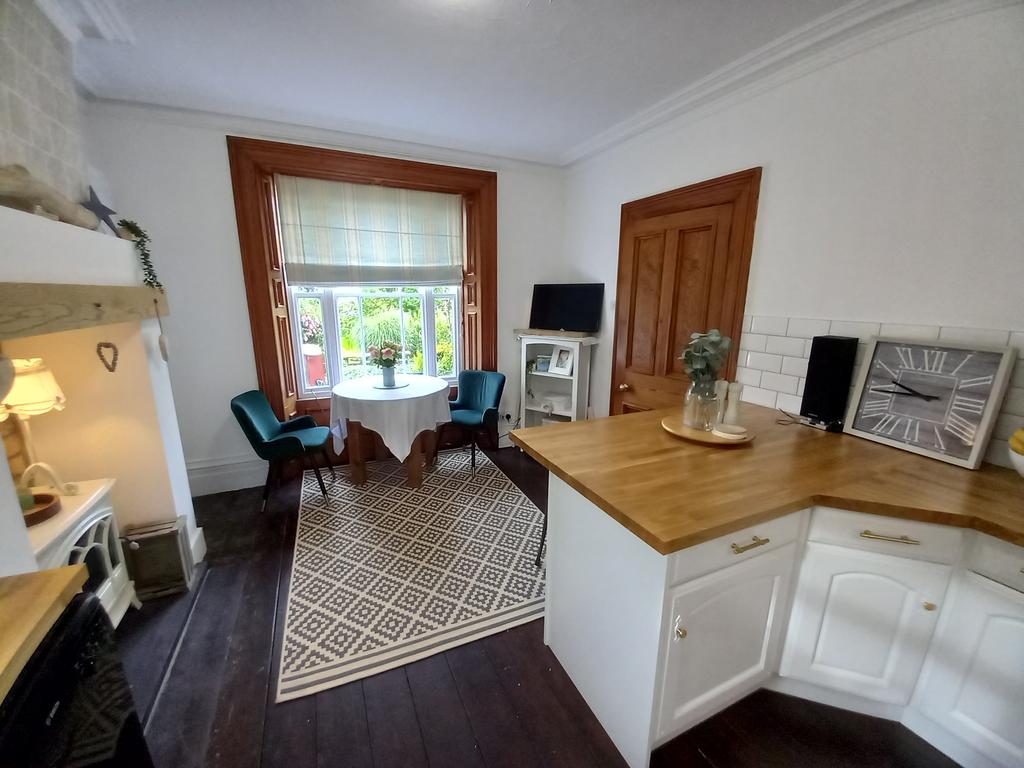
point(335, 327)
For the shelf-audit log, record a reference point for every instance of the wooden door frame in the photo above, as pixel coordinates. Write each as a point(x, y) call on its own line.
point(254, 161)
point(741, 189)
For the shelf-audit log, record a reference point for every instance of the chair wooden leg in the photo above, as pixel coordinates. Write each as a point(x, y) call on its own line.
point(543, 538)
point(319, 477)
point(327, 460)
point(266, 486)
point(472, 451)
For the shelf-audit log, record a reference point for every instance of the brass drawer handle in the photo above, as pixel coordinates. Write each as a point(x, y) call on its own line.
point(929, 606)
point(739, 549)
point(866, 534)
point(680, 633)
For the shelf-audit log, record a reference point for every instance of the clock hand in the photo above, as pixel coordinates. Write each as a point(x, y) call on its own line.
point(905, 394)
point(913, 391)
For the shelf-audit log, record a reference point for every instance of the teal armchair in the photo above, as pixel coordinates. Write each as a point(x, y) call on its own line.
point(278, 442)
point(475, 410)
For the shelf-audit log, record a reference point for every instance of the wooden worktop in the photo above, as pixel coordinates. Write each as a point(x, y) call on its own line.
point(30, 604)
point(674, 494)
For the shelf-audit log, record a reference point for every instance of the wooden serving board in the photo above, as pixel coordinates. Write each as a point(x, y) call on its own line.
point(674, 425)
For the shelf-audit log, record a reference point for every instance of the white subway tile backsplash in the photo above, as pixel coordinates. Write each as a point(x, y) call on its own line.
point(779, 382)
point(748, 376)
point(775, 350)
point(794, 366)
point(783, 345)
point(759, 396)
point(764, 362)
point(773, 326)
point(789, 403)
point(804, 328)
point(753, 342)
point(985, 337)
point(862, 331)
point(1013, 404)
point(915, 332)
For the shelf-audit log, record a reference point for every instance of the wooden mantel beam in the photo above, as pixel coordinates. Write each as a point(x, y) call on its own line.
point(31, 309)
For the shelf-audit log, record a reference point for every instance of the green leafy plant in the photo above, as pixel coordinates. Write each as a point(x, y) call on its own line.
point(704, 356)
point(141, 240)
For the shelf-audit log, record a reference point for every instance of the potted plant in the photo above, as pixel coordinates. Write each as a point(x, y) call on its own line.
point(702, 359)
point(385, 356)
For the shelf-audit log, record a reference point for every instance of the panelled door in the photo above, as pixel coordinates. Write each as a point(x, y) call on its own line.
point(684, 259)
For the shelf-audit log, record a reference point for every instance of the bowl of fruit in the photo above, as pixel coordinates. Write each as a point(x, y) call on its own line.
point(1017, 451)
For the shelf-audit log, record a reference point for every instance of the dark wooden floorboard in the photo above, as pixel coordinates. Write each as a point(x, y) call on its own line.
point(342, 734)
point(391, 720)
point(447, 735)
point(503, 740)
point(503, 701)
point(184, 711)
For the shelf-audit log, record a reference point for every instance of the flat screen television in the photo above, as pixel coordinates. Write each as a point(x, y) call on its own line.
point(567, 307)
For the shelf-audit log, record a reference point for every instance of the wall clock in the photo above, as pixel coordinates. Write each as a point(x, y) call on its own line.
point(935, 399)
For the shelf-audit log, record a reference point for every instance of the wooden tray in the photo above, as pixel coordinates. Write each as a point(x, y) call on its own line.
point(674, 425)
point(47, 505)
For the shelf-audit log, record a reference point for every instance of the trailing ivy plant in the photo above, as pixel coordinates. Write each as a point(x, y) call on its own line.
point(141, 240)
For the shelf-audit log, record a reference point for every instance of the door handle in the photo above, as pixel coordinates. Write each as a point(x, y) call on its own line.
point(624, 387)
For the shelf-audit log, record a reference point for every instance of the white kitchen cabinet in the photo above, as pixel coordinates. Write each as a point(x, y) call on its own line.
point(862, 621)
point(721, 637)
point(973, 681)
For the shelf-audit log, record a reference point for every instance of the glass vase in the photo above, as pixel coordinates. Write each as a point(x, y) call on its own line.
point(389, 375)
point(700, 409)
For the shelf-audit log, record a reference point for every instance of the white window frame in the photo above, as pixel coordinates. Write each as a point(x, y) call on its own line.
point(328, 297)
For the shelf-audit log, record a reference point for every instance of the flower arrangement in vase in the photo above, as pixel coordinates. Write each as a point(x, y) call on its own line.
point(703, 357)
point(385, 357)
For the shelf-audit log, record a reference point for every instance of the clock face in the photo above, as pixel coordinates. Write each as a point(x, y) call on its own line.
point(926, 396)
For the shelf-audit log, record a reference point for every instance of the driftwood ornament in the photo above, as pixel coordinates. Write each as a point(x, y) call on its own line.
point(102, 349)
point(20, 189)
point(6, 376)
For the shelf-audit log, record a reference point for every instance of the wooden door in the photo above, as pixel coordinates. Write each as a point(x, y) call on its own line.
point(722, 638)
point(862, 621)
point(684, 259)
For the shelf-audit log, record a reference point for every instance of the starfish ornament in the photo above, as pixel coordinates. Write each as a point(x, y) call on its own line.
point(103, 213)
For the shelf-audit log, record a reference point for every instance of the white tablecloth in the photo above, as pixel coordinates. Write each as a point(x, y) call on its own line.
point(397, 415)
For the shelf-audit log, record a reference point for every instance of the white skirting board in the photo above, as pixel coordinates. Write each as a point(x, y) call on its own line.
point(197, 543)
point(232, 473)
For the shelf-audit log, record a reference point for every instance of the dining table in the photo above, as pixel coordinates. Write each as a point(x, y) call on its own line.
point(405, 416)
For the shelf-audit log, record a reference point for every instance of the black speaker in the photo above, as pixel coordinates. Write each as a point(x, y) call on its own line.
point(829, 373)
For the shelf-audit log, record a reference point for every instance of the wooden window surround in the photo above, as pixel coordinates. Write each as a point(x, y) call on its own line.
point(253, 165)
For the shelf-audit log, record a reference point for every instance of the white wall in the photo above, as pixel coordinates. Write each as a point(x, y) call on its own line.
point(891, 191)
point(168, 170)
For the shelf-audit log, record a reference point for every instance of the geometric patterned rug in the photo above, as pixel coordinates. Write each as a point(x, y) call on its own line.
point(383, 575)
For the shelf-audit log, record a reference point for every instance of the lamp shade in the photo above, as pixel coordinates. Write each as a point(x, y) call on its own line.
point(35, 391)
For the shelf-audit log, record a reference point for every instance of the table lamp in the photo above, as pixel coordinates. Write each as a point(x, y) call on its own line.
point(34, 393)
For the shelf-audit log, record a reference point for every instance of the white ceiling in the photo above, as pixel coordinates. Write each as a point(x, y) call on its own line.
point(530, 79)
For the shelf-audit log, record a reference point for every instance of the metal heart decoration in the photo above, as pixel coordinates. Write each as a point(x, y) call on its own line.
point(102, 349)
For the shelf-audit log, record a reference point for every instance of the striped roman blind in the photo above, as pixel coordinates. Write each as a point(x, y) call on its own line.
point(336, 233)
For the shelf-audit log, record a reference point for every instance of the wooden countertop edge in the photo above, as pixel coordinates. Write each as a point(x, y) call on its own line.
point(671, 546)
point(56, 587)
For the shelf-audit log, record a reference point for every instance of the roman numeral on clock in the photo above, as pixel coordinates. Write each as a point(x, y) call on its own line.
point(961, 427)
point(906, 357)
point(934, 359)
point(876, 407)
point(977, 381)
point(888, 424)
point(968, 404)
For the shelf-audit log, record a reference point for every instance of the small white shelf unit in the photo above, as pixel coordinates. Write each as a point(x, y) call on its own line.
point(546, 396)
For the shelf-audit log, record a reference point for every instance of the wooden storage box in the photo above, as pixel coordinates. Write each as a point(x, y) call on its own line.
point(159, 559)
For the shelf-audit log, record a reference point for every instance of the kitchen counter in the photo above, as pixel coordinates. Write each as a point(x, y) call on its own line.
point(30, 603)
point(674, 494)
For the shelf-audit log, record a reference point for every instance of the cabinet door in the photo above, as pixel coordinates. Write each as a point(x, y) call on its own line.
point(722, 637)
point(862, 621)
point(973, 683)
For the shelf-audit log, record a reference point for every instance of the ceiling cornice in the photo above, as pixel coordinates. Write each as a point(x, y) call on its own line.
point(853, 28)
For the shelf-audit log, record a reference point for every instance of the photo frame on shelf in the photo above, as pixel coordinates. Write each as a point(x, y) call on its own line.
point(562, 359)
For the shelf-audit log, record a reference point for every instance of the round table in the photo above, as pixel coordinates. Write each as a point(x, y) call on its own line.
point(398, 415)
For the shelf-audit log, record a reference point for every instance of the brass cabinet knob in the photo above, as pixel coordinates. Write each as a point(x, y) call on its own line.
point(680, 633)
point(929, 606)
point(623, 387)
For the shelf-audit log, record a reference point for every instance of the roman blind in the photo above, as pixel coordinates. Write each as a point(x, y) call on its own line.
point(337, 233)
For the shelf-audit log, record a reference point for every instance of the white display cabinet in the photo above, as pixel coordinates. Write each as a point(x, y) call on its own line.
point(547, 395)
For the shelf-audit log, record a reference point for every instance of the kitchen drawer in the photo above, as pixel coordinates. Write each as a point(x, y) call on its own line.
point(719, 553)
point(998, 560)
point(888, 535)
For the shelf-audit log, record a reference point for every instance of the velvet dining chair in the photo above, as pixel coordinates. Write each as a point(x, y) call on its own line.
point(475, 410)
point(278, 442)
